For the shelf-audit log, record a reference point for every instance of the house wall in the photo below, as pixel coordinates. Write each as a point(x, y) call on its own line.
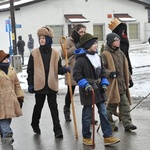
point(51, 12)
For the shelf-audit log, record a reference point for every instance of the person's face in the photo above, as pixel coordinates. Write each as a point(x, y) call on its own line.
point(116, 43)
point(42, 40)
point(6, 60)
point(82, 31)
point(94, 47)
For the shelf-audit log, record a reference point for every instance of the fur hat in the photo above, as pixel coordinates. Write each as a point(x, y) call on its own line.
point(86, 38)
point(111, 37)
point(3, 55)
point(45, 31)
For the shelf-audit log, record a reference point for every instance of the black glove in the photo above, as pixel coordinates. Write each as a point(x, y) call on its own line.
point(88, 88)
point(67, 69)
point(76, 36)
point(31, 89)
point(20, 100)
point(77, 45)
point(131, 83)
point(114, 74)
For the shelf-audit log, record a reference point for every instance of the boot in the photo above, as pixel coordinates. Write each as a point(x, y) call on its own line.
point(67, 114)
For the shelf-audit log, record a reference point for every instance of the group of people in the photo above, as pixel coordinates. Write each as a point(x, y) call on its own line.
point(21, 44)
point(108, 76)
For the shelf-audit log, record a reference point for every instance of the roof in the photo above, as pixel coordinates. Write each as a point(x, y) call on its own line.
point(76, 18)
point(5, 4)
point(146, 3)
point(124, 17)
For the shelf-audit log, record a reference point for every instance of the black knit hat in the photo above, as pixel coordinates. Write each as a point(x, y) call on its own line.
point(3, 55)
point(111, 37)
point(86, 38)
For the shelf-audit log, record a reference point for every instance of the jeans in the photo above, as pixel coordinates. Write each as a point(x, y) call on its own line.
point(124, 111)
point(5, 127)
point(86, 120)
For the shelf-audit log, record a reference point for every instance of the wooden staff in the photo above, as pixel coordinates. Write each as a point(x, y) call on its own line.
point(63, 46)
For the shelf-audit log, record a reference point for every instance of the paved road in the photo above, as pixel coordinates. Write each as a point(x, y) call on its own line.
point(25, 139)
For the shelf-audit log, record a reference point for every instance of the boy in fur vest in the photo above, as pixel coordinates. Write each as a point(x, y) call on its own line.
point(43, 68)
point(11, 98)
point(119, 77)
point(90, 75)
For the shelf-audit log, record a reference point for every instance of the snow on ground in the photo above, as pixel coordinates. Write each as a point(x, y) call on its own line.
point(140, 59)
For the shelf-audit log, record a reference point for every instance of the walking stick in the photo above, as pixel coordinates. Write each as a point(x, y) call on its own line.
point(93, 118)
point(112, 85)
point(63, 46)
point(140, 102)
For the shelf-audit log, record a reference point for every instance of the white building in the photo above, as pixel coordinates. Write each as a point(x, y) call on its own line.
point(56, 13)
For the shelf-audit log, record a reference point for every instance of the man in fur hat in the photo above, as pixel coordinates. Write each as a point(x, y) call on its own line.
point(43, 68)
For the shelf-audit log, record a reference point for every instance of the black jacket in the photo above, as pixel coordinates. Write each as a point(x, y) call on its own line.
point(83, 69)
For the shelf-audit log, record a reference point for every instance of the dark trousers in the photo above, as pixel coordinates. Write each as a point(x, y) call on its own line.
point(52, 103)
point(67, 98)
point(22, 56)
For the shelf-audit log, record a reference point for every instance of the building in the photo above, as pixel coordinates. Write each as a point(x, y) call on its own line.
point(62, 15)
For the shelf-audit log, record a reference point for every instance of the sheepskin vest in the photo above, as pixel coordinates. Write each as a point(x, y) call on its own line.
point(113, 91)
point(39, 72)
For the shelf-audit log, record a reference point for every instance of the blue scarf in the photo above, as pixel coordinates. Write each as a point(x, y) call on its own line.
point(4, 67)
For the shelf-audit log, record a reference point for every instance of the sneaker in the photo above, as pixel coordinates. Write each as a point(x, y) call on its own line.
point(111, 140)
point(36, 130)
point(59, 134)
point(130, 128)
point(87, 141)
point(67, 114)
point(8, 140)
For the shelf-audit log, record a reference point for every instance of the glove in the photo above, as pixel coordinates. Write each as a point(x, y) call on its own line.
point(114, 74)
point(104, 83)
point(88, 88)
point(77, 45)
point(31, 89)
point(67, 69)
point(131, 83)
point(20, 100)
point(76, 36)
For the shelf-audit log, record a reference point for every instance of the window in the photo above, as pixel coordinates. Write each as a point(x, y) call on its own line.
point(133, 31)
point(98, 31)
point(58, 32)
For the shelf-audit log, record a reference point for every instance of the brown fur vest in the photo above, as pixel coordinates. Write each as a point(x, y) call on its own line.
point(114, 96)
point(39, 73)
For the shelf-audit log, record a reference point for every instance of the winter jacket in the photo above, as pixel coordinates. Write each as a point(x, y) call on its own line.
point(70, 45)
point(115, 60)
point(83, 69)
point(43, 68)
point(20, 45)
point(30, 42)
point(10, 90)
